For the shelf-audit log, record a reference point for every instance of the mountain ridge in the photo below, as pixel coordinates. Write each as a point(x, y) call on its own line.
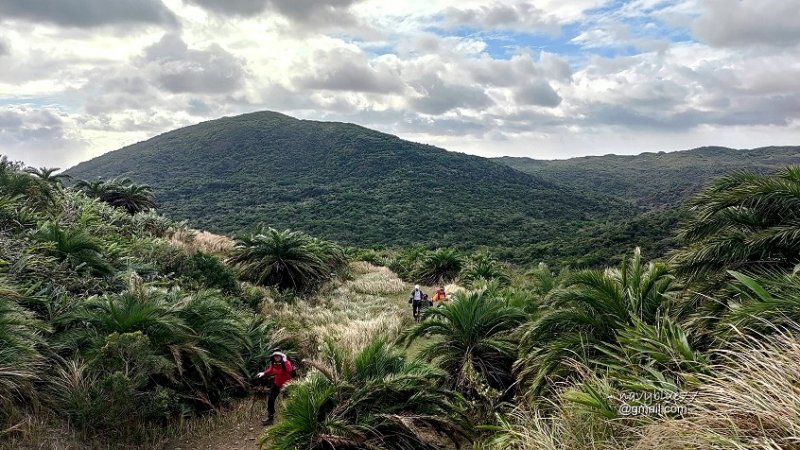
point(654, 179)
point(347, 183)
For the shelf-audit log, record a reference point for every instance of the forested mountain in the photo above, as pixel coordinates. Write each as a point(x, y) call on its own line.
point(348, 183)
point(654, 179)
point(364, 188)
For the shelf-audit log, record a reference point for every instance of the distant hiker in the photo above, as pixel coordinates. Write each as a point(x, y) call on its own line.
point(281, 368)
point(439, 296)
point(416, 298)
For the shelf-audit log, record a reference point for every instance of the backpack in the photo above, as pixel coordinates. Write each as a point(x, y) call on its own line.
point(293, 373)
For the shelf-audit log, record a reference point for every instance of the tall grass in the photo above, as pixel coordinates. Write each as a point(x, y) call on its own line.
point(350, 313)
point(751, 400)
point(202, 241)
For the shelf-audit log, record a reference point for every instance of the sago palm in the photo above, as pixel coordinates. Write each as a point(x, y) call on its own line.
point(129, 196)
point(38, 193)
point(745, 222)
point(120, 193)
point(76, 247)
point(285, 259)
point(471, 338)
point(590, 310)
point(652, 357)
point(484, 267)
point(759, 303)
point(49, 175)
point(204, 337)
point(541, 280)
point(92, 188)
point(375, 399)
point(440, 266)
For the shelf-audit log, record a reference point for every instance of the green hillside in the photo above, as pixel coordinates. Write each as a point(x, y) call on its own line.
point(349, 184)
point(654, 179)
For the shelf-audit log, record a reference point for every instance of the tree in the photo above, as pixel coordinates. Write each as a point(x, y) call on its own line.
point(473, 340)
point(76, 247)
point(440, 266)
point(743, 222)
point(374, 399)
point(483, 267)
point(120, 193)
point(286, 259)
point(49, 175)
point(93, 189)
point(37, 193)
point(590, 310)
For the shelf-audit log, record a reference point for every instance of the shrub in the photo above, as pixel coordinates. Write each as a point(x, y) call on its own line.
point(286, 259)
point(375, 398)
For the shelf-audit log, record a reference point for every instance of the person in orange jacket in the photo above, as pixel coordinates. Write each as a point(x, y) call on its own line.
point(281, 369)
point(440, 295)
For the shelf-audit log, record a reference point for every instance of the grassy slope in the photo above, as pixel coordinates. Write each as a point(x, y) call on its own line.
point(346, 183)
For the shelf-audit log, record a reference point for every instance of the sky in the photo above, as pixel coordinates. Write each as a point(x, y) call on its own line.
point(546, 79)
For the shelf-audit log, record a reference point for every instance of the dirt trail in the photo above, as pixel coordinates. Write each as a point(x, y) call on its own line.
point(239, 429)
point(374, 301)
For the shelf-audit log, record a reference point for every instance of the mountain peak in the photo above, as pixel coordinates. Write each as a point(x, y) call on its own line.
point(343, 182)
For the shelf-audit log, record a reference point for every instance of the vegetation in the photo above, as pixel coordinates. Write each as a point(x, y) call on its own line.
point(120, 193)
point(351, 185)
point(124, 324)
point(373, 399)
point(654, 179)
point(592, 308)
point(743, 221)
point(286, 259)
point(105, 325)
point(472, 341)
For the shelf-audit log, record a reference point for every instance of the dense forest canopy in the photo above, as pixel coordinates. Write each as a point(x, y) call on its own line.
point(363, 188)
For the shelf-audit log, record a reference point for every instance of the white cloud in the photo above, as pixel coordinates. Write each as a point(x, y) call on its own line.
point(177, 68)
point(39, 136)
point(738, 23)
point(522, 16)
point(89, 13)
point(601, 78)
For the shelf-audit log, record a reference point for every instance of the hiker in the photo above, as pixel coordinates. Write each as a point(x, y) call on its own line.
point(426, 302)
point(416, 298)
point(281, 369)
point(439, 296)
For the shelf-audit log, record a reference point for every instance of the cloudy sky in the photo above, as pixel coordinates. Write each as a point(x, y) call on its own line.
point(545, 78)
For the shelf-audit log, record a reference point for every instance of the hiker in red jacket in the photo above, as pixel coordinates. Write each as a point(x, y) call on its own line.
point(281, 368)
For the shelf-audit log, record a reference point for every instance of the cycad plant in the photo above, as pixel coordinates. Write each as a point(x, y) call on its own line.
point(744, 222)
point(590, 310)
point(760, 303)
point(92, 188)
point(541, 280)
point(482, 267)
point(286, 259)
point(37, 192)
point(472, 339)
point(375, 399)
point(49, 175)
point(204, 339)
point(120, 193)
point(79, 249)
point(440, 266)
point(652, 357)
